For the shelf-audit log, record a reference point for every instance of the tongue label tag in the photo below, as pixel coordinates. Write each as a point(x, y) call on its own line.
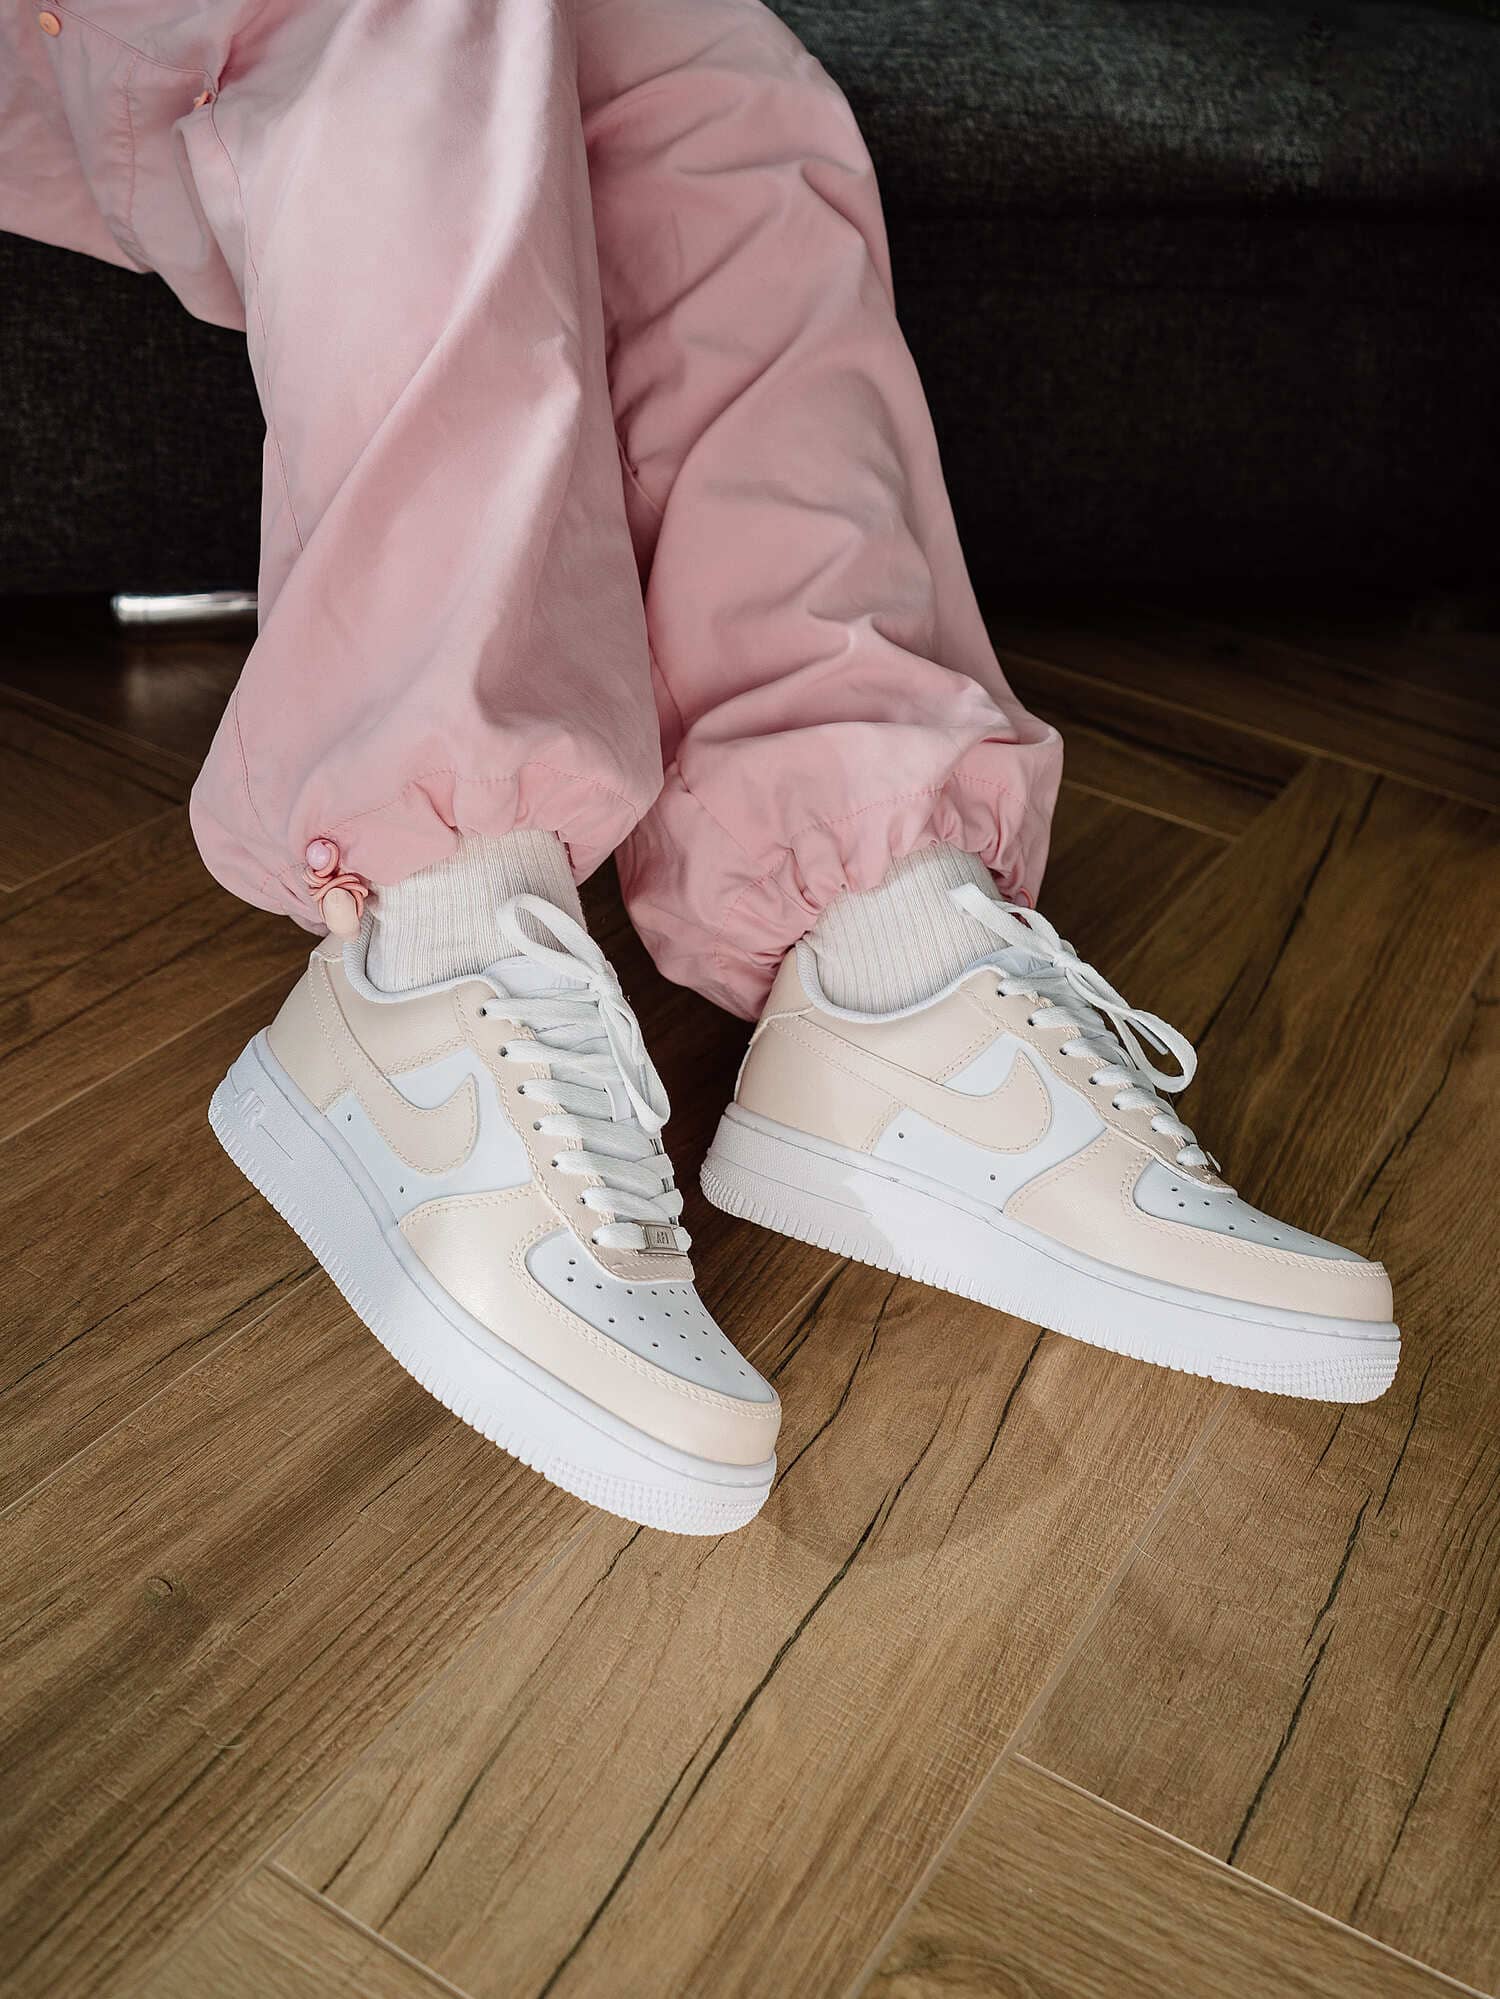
point(659, 1236)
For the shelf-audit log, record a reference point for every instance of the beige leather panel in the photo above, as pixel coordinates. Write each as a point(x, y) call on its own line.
point(804, 1068)
point(1013, 1117)
point(845, 1080)
point(300, 1045)
point(934, 1044)
point(430, 1140)
point(476, 1245)
point(938, 1041)
point(405, 1035)
point(787, 994)
point(794, 1075)
point(1087, 1203)
point(324, 1023)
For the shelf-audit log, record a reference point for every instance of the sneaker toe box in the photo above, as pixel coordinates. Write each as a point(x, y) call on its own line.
point(648, 1352)
point(1221, 1243)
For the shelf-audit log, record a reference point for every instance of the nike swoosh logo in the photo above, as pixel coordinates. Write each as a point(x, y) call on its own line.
point(432, 1139)
point(1013, 1117)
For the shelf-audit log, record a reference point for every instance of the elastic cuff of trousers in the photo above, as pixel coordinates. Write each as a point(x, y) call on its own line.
point(716, 921)
point(415, 830)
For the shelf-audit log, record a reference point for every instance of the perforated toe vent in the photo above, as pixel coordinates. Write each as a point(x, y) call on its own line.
point(666, 1324)
point(1172, 1197)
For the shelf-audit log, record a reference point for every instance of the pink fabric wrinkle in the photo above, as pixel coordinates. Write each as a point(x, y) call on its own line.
point(591, 436)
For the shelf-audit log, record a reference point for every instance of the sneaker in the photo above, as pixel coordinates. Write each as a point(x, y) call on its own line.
point(1009, 1140)
point(478, 1167)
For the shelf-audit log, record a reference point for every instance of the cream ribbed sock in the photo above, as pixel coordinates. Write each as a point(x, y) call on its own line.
point(884, 948)
point(440, 923)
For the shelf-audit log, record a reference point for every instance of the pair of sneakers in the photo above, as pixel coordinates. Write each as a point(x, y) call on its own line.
point(479, 1167)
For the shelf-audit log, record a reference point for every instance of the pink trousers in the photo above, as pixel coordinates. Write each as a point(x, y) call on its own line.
point(600, 492)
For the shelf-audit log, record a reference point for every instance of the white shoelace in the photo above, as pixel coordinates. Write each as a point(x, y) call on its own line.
point(1103, 1027)
point(598, 1085)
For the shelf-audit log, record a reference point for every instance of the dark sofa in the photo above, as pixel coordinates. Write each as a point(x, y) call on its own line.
point(1204, 296)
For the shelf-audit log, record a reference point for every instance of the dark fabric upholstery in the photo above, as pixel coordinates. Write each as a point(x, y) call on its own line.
point(130, 434)
point(1201, 292)
point(978, 106)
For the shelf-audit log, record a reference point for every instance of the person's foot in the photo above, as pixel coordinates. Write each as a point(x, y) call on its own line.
point(1006, 1139)
point(477, 1165)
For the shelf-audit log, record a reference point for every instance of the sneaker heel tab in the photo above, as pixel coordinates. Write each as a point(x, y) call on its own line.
point(787, 1000)
point(795, 988)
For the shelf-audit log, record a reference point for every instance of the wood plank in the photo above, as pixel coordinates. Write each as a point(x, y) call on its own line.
point(281, 1546)
point(1350, 709)
point(199, 1754)
point(164, 690)
point(1318, 956)
point(1439, 647)
point(282, 1550)
point(62, 793)
point(1299, 1673)
point(134, 1247)
point(1184, 767)
point(771, 1735)
point(272, 1940)
point(108, 959)
point(213, 1609)
point(1049, 1893)
point(1097, 844)
point(178, 770)
point(863, 1675)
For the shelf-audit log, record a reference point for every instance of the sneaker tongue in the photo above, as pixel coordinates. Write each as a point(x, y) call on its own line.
point(1017, 962)
point(524, 978)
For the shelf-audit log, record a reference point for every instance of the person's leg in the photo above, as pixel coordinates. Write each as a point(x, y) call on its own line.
point(46, 191)
point(451, 629)
point(830, 700)
point(456, 1109)
point(392, 201)
point(938, 1085)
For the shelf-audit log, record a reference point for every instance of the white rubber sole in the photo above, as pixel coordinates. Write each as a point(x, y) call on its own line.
point(872, 1211)
point(290, 1153)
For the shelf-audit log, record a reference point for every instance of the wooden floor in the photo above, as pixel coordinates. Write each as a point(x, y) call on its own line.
point(1043, 1673)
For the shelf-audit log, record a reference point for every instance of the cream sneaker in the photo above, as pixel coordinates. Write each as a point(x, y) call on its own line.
point(1008, 1140)
point(478, 1167)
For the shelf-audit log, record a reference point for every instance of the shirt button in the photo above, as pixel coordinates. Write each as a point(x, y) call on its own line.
point(49, 24)
point(203, 97)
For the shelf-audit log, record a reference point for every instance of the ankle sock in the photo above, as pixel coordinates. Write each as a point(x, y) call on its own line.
point(883, 948)
point(441, 922)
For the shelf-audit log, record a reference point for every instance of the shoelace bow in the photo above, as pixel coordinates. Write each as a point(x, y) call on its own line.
point(598, 1084)
point(1080, 999)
